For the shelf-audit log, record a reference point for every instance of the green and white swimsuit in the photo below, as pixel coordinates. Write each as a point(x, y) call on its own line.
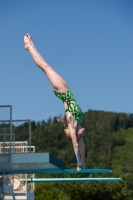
point(72, 105)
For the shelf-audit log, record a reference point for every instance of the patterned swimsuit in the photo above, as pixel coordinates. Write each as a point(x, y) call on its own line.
point(72, 105)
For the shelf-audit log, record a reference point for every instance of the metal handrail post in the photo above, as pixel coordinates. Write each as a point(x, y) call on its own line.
point(10, 132)
point(29, 136)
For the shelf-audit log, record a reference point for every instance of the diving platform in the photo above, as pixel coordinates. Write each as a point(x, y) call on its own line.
point(31, 163)
point(73, 180)
point(74, 171)
point(19, 163)
point(39, 163)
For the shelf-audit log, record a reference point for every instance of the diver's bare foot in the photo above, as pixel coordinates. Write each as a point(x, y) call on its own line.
point(28, 42)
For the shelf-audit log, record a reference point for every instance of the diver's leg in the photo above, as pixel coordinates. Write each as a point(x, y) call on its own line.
point(58, 83)
point(72, 125)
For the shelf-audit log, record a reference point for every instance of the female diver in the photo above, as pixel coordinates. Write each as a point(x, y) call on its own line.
point(73, 112)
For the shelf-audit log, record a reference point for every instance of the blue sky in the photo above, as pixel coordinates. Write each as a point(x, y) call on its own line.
point(89, 43)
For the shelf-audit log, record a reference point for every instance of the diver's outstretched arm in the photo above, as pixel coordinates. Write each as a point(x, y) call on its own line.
point(82, 149)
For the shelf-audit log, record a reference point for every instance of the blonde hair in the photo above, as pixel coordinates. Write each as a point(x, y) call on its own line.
point(66, 127)
point(67, 133)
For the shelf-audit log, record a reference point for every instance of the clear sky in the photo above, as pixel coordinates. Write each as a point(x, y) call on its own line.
point(89, 43)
